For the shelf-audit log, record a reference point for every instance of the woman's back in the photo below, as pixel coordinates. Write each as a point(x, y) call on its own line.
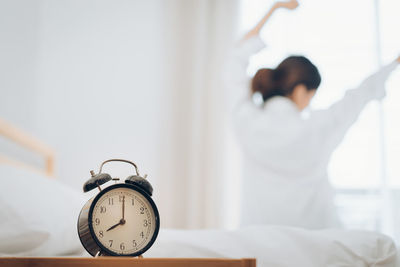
point(284, 167)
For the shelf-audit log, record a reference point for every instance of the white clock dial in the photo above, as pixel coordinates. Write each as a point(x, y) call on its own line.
point(123, 221)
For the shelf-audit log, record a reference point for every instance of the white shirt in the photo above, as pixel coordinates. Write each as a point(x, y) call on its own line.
point(286, 156)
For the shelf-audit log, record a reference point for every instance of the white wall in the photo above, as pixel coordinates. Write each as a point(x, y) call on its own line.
point(19, 22)
point(84, 77)
point(99, 87)
point(19, 26)
point(132, 79)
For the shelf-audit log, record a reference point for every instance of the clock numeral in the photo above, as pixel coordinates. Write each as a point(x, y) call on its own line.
point(145, 223)
point(122, 246)
point(111, 242)
point(110, 201)
point(142, 234)
point(141, 210)
point(134, 243)
point(103, 209)
point(97, 221)
point(133, 201)
point(101, 234)
point(121, 198)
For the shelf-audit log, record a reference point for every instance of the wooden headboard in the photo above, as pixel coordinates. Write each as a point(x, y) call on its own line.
point(30, 143)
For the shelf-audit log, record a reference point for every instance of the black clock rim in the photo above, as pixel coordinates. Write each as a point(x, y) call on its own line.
point(153, 205)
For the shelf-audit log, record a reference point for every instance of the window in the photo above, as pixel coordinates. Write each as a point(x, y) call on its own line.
point(347, 40)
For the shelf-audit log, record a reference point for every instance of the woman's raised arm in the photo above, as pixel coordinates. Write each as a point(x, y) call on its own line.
point(292, 4)
point(235, 74)
point(336, 120)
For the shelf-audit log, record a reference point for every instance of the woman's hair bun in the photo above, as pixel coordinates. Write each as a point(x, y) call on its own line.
point(281, 81)
point(278, 75)
point(266, 82)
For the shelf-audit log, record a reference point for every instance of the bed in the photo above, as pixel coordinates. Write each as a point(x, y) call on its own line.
point(35, 231)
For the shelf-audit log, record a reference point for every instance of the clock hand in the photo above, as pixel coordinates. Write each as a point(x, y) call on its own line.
point(123, 208)
point(115, 225)
point(121, 222)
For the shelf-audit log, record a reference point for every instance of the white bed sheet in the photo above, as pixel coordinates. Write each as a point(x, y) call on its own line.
point(280, 246)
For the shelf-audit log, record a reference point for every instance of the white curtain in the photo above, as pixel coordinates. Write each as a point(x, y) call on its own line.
point(192, 167)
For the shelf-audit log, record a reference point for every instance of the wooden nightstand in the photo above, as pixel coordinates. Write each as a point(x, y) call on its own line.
point(125, 262)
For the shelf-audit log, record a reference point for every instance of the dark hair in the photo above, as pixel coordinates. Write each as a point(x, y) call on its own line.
point(281, 81)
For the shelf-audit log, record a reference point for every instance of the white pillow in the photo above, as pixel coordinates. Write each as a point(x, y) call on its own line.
point(15, 234)
point(38, 215)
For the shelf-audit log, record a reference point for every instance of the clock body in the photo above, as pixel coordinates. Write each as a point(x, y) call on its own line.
point(122, 220)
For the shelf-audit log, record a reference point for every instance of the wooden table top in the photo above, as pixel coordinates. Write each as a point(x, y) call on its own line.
point(124, 262)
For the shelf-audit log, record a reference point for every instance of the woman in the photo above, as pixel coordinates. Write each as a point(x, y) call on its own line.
point(285, 155)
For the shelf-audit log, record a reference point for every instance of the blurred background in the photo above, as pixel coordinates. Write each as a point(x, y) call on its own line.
point(141, 80)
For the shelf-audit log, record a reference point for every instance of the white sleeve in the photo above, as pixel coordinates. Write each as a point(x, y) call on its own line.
point(337, 119)
point(235, 75)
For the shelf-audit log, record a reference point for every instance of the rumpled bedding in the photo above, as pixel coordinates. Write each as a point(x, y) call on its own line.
point(281, 246)
point(38, 217)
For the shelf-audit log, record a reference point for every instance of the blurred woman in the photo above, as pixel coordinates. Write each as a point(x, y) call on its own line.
point(285, 155)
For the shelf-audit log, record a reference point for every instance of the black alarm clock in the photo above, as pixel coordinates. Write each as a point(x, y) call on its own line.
point(122, 219)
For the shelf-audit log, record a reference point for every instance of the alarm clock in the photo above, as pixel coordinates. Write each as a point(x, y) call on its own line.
point(122, 219)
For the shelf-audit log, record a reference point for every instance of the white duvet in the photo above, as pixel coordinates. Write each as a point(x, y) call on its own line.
point(47, 227)
point(280, 246)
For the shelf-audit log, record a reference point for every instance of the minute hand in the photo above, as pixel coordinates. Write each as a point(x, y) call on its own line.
point(123, 208)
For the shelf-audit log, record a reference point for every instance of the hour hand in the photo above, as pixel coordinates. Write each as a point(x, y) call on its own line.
point(115, 225)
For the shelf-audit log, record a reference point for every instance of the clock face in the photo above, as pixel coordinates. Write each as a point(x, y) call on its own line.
point(123, 220)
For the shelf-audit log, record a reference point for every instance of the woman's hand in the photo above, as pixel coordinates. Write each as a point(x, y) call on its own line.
point(292, 4)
